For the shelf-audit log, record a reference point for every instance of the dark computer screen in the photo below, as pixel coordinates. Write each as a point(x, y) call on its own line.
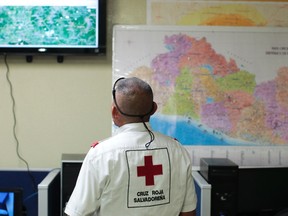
point(262, 191)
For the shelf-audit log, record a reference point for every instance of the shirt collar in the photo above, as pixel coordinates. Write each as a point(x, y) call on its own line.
point(139, 127)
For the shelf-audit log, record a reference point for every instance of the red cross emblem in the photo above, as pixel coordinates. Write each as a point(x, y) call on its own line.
point(149, 170)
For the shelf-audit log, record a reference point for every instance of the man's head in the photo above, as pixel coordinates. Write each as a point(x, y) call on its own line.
point(133, 101)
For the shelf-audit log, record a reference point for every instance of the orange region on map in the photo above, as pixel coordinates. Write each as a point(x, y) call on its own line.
point(219, 13)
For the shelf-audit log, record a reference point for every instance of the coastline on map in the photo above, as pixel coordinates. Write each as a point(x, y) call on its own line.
point(190, 132)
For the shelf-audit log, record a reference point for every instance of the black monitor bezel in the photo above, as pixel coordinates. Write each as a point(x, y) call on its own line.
point(64, 51)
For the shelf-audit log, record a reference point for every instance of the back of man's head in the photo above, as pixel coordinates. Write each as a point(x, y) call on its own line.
point(134, 97)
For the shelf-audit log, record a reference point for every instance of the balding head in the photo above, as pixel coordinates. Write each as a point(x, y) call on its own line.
point(134, 99)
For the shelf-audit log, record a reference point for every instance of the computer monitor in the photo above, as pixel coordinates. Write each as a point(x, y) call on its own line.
point(51, 27)
point(49, 194)
point(262, 191)
point(11, 202)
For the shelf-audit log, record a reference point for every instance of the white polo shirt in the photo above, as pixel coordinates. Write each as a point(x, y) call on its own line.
point(119, 176)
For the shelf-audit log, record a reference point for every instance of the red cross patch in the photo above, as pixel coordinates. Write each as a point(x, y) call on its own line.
point(149, 177)
point(149, 170)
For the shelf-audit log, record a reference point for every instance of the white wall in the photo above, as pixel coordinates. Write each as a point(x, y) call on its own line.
point(60, 108)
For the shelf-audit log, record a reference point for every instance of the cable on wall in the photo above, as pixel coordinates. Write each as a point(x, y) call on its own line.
point(15, 123)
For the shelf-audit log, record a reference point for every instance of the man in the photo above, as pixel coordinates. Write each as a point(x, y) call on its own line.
point(136, 172)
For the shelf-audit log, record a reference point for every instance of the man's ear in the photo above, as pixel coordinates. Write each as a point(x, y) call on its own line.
point(116, 116)
point(115, 112)
point(155, 106)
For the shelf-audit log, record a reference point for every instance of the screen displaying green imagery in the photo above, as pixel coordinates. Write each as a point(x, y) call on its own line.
point(33, 26)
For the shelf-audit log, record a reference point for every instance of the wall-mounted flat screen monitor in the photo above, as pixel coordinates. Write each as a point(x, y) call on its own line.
point(11, 201)
point(59, 27)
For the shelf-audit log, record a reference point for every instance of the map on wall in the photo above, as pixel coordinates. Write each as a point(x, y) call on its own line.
point(217, 13)
point(214, 86)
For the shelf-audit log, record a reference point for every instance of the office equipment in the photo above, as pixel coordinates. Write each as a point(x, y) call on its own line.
point(49, 194)
point(262, 191)
point(20, 178)
point(71, 165)
point(11, 201)
point(53, 27)
point(222, 174)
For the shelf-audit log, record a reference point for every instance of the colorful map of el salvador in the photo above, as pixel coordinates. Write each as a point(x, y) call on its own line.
point(204, 99)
